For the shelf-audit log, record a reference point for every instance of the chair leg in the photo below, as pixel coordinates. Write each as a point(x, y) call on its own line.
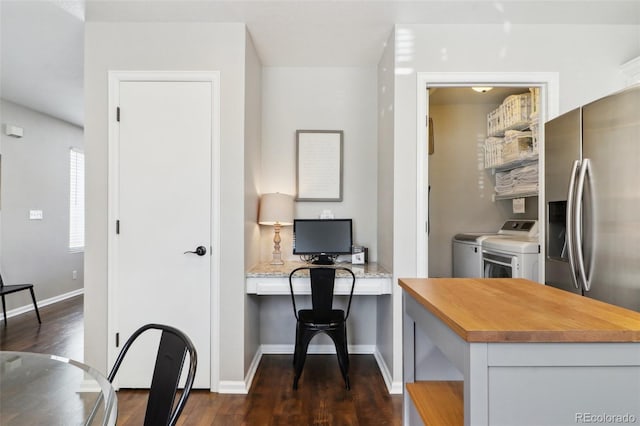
point(339, 338)
point(295, 347)
point(302, 344)
point(35, 305)
point(4, 311)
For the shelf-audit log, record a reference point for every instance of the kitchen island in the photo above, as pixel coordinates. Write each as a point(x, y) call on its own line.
point(515, 352)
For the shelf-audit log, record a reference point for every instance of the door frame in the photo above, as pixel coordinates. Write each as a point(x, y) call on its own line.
point(548, 82)
point(115, 78)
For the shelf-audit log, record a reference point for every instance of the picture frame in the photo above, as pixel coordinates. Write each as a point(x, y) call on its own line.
point(319, 165)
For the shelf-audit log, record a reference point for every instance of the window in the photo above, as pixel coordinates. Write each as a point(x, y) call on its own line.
point(76, 200)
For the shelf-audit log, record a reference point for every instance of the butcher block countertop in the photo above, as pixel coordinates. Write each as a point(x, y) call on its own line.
point(519, 310)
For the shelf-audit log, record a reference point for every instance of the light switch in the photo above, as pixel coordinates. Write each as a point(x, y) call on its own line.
point(35, 214)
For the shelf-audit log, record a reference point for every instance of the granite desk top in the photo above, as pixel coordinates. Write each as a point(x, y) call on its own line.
point(266, 270)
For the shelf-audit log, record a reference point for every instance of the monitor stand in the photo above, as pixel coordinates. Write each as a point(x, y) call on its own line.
point(323, 259)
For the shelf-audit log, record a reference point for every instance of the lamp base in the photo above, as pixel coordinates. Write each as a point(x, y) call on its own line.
point(277, 255)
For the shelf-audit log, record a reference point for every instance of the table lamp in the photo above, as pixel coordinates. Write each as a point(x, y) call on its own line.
point(277, 210)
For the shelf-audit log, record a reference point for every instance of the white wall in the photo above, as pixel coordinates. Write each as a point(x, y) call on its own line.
point(252, 156)
point(167, 46)
point(35, 175)
point(587, 58)
point(386, 196)
point(322, 99)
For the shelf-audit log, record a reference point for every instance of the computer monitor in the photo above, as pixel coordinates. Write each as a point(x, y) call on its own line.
point(322, 239)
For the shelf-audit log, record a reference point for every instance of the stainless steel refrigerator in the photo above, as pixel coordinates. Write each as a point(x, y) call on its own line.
point(592, 187)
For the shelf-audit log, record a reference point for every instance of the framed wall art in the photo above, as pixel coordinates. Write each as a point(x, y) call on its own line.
point(319, 165)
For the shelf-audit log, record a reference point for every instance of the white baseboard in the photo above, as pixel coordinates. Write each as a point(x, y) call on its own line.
point(43, 303)
point(242, 387)
point(394, 388)
point(317, 349)
point(232, 387)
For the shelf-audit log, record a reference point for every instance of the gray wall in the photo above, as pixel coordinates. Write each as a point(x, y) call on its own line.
point(319, 98)
point(35, 176)
point(168, 46)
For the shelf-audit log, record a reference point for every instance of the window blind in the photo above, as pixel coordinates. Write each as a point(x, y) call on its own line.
point(76, 200)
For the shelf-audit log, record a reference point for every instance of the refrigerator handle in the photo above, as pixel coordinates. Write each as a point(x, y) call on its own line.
point(578, 223)
point(570, 233)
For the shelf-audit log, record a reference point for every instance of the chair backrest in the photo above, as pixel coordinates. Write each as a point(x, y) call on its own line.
point(172, 350)
point(322, 287)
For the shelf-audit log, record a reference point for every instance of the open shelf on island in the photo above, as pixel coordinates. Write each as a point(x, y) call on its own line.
point(438, 402)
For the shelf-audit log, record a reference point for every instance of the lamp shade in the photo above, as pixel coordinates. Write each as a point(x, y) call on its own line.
point(276, 208)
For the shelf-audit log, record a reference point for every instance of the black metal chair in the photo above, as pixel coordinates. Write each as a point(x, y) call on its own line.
point(173, 348)
point(13, 288)
point(321, 318)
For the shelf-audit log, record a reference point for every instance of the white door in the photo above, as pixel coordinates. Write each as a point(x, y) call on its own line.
point(164, 207)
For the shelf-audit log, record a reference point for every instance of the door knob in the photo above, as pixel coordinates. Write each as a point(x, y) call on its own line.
point(200, 251)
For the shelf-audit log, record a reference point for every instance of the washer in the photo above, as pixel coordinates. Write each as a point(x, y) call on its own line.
point(467, 254)
point(514, 253)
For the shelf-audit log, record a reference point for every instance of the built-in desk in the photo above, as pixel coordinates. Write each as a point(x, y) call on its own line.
point(266, 279)
point(268, 296)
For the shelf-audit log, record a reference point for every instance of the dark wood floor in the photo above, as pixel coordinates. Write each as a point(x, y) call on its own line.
point(320, 399)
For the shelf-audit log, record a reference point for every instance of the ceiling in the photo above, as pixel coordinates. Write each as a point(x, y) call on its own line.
point(42, 41)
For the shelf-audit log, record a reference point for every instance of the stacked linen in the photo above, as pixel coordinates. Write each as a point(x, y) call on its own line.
point(504, 183)
point(517, 181)
point(525, 178)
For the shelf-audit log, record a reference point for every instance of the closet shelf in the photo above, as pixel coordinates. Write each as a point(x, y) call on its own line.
point(497, 197)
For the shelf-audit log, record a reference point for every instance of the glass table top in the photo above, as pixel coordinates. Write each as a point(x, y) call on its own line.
point(38, 389)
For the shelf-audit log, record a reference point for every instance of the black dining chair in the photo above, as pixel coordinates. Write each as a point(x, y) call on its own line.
point(321, 318)
point(13, 288)
point(173, 348)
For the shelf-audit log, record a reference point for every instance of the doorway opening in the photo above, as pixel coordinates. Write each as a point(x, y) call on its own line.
point(456, 188)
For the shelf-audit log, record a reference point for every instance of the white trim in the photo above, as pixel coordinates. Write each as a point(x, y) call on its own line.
point(549, 84)
point(233, 387)
point(317, 349)
point(42, 303)
point(394, 388)
point(238, 387)
point(115, 77)
point(215, 236)
point(255, 362)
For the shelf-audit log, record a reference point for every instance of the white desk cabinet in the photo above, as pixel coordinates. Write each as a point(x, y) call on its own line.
point(266, 279)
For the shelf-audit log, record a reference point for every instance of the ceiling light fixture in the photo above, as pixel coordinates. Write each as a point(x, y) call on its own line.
point(482, 89)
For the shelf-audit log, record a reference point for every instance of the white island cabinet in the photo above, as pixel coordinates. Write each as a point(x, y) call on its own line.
point(514, 352)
